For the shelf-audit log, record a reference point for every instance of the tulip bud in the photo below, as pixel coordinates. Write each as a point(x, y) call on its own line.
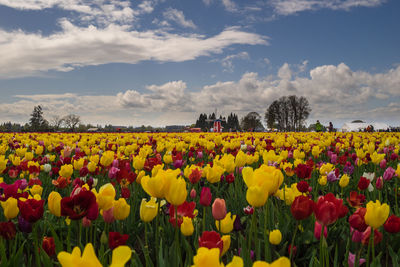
point(193, 193)
point(318, 229)
point(275, 237)
point(379, 183)
point(205, 197)
point(86, 222)
point(104, 238)
point(108, 215)
point(219, 209)
point(187, 226)
point(382, 164)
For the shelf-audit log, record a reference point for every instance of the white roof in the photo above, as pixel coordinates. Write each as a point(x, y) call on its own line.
point(357, 126)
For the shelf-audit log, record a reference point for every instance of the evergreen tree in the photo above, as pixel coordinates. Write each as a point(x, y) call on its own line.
point(37, 121)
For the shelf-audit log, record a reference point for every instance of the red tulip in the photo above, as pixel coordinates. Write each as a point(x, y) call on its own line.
point(219, 209)
point(7, 230)
point(49, 246)
point(356, 200)
point(302, 207)
point(302, 186)
point(328, 209)
point(366, 236)
point(211, 239)
point(184, 210)
point(230, 178)
point(392, 224)
point(363, 183)
point(205, 197)
point(115, 239)
point(303, 171)
point(195, 176)
point(318, 229)
point(31, 209)
point(357, 221)
point(80, 205)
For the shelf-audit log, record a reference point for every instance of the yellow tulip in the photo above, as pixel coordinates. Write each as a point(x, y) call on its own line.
point(10, 208)
point(78, 164)
point(36, 190)
point(54, 203)
point(207, 258)
point(377, 158)
point(344, 180)
point(121, 209)
point(187, 226)
point(177, 192)
point(376, 214)
point(281, 262)
point(148, 209)
point(213, 174)
point(105, 197)
point(39, 150)
point(138, 163)
point(92, 166)
point(226, 223)
point(75, 259)
point(275, 237)
point(3, 163)
point(120, 256)
point(66, 170)
point(153, 186)
point(107, 158)
point(226, 239)
point(236, 262)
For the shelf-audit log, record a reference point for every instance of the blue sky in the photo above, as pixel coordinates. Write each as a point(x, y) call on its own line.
point(160, 62)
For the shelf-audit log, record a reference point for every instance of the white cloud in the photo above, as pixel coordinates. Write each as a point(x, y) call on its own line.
point(178, 17)
point(335, 93)
point(207, 2)
point(229, 5)
point(227, 62)
point(288, 7)
point(101, 11)
point(27, 54)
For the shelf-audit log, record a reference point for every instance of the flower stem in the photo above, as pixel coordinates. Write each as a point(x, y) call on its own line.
point(267, 249)
point(395, 196)
point(293, 238)
point(157, 232)
point(321, 249)
point(204, 218)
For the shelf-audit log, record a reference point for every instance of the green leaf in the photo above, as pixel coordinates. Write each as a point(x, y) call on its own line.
point(395, 258)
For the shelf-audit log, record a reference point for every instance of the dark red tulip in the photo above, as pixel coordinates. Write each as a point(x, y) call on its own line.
point(116, 239)
point(211, 239)
point(49, 246)
point(302, 207)
point(31, 209)
point(357, 221)
point(392, 224)
point(328, 209)
point(7, 230)
point(205, 197)
point(363, 183)
point(80, 205)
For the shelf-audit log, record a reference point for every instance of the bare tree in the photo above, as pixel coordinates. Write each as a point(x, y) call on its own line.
point(71, 121)
point(56, 122)
point(288, 113)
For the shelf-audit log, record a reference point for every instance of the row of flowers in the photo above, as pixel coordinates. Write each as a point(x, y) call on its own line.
point(326, 199)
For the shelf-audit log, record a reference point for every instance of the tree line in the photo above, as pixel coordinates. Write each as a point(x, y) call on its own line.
point(288, 113)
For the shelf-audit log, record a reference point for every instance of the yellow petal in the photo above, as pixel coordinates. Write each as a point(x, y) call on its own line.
point(120, 256)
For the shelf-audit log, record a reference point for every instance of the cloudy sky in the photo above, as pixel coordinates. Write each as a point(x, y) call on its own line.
point(162, 62)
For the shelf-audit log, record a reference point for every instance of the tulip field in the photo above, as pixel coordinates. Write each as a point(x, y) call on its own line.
point(199, 199)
